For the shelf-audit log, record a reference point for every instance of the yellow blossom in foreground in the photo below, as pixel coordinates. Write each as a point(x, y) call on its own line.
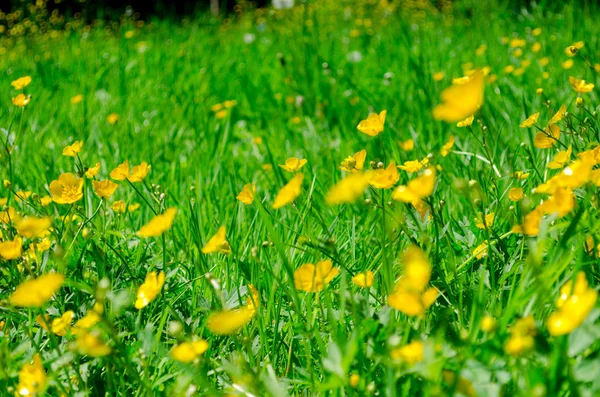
point(72, 150)
point(92, 171)
point(413, 165)
point(354, 163)
point(11, 249)
point(462, 100)
point(385, 178)
point(548, 138)
point(313, 278)
point(407, 145)
point(363, 280)
point(445, 150)
point(21, 100)
point(289, 192)
point(486, 222)
point(373, 125)
point(466, 122)
point(481, 250)
point(293, 164)
point(227, 322)
point(521, 340)
point(60, 325)
point(157, 225)
point(21, 83)
point(515, 194)
point(32, 378)
point(89, 343)
point(409, 354)
point(112, 118)
point(139, 172)
point(217, 243)
point(580, 86)
point(150, 289)
point(30, 226)
point(531, 223)
point(36, 292)
point(416, 189)
point(246, 196)
point(530, 121)
point(105, 188)
point(186, 352)
point(560, 159)
point(349, 189)
point(575, 302)
point(67, 189)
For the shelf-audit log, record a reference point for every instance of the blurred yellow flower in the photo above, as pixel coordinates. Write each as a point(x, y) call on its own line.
point(105, 188)
point(409, 354)
point(515, 194)
point(560, 114)
point(445, 150)
point(32, 378)
point(217, 243)
point(289, 192)
point(580, 86)
point(21, 83)
point(438, 76)
point(89, 343)
point(568, 64)
point(157, 225)
point(466, 122)
point(36, 292)
point(488, 323)
point(560, 159)
point(246, 196)
point(363, 280)
point(416, 189)
point(133, 207)
point(462, 100)
point(187, 352)
point(385, 178)
point(355, 162)
point(349, 189)
point(530, 121)
point(489, 220)
point(59, 326)
point(119, 206)
point(373, 125)
point(575, 302)
point(227, 322)
point(21, 100)
point(313, 278)
point(521, 337)
point(150, 289)
point(548, 138)
point(11, 249)
point(293, 164)
point(72, 150)
point(67, 189)
point(93, 171)
point(112, 118)
point(76, 99)
point(31, 226)
point(407, 145)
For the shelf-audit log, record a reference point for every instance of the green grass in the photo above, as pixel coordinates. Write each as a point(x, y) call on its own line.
point(297, 89)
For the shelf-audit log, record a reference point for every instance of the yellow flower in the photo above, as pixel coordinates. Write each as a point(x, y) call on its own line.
point(416, 189)
point(21, 100)
point(105, 188)
point(91, 318)
point(118, 206)
point(580, 86)
point(227, 322)
point(364, 280)
point(373, 125)
point(150, 289)
point(568, 64)
point(462, 100)
point(349, 189)
point(246, 196)
point(521, 175)
point(76, 99)
point(354, 380)
point(22, 196)
point(187, 352)
point(217, 243)
point(139, 172)
point(531, 223)
point(67, 189)
point(133, 207)
point(21, 83)
point(548, 138)
point(93, 171)
point(11, 249)
point(560, 159)
point(530, 121)
point(407, 145)
point(293, 164)
point(559, 115)
point(157, 225)
point(447, 146)
point(61, 325)
point(313, 278)
point(575, 302)
point(36, 292)
point(32, 378)
point(410, 354)
point(489, 219)
point(289, 192)
point(385, 178)
point(45, 201)
point(488, 323)
point(466, 122)
point(31, 226)
point(72, 150)
point(438, 76)
point(121, 172)
point(413, 165)
point(515, 194)
point(355, 162)
point(112, 118)
point(89, 343)
point(221, 114)
point(521, 340)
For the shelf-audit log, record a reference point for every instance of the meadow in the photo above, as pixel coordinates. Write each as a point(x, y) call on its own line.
point(349, 198)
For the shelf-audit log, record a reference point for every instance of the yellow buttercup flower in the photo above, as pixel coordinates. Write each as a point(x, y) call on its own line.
point(313, 278)
point(133, 207)
point(105, 188)
point(119, 206)
point(36, 292)
point(157, 225)
point(488, 323)
point(90, 343)
point(466, 122)
point(560, 159)
point(32, 378)
point(150, 289)
point(72, 150)
point(515, 194)
point(227, 322)
point(521, 340)
point(349, 189)
point(21, 100)
point(373, 125)
point(385, 178)
point(461, 100)
point(409, 354)
point(354, 163)
point(11, 249)
point(62, 324)
point(413, 165)
point(445, 150)
point(246, 196)
point(530, 121)
point(121, 172)
point(580, 86)
point(560, 114)
point(92, 171)
point(416, 189)
point(76, 99)
point(137, 173)
point(489, 219)
point(112, 118)
point(30, 226)
point(289, 192)
point(548, 138)
point(187, 352)
point(364, 280)
point(21, 83)
point(575, 302)
point(217, 243)
point(293, 164)
point(68, 189)
point(407, 145)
